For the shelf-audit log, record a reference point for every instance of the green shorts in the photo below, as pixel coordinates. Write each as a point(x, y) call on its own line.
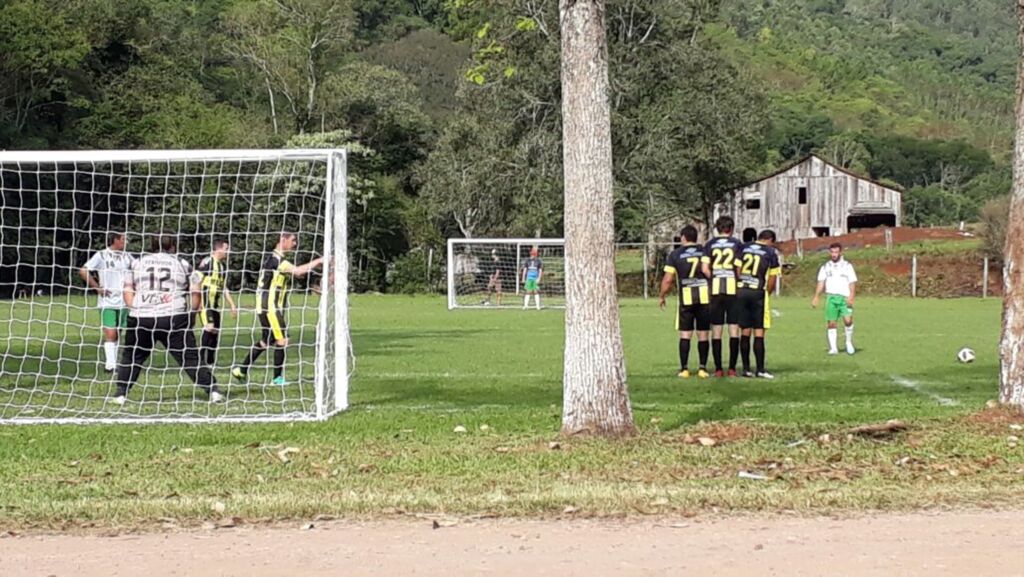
point(113, 318)
point(531, 285)
point(836, 308)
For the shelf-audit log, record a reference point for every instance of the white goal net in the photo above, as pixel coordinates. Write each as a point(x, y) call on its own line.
point(504, 272)
point(249, 227)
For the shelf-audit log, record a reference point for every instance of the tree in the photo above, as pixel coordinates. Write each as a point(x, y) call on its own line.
point(595, 396)
point(1011, 378)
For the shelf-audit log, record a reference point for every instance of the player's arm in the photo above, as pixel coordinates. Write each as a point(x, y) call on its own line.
point(853, 286)
point(231, 302)
point(302, 270)
point(90, 281)
point(666, 285)
point(540, 273)
point(129, 292)
point(774, 272)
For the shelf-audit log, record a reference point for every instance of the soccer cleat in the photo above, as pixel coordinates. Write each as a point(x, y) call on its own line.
point(120, 400)
point(765, 375)
point(719, 374)
point(732, 373)
point(850, 349)
point(239, 374)
point(216, 397)
point(833, 352)
point(279, 382)
point(748, 375)
point(684, 374)
point(702, 374)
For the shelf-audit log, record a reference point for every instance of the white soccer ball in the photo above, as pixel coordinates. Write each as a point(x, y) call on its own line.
point(965, 355)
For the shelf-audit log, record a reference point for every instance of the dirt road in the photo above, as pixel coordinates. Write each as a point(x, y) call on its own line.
point(956, 544)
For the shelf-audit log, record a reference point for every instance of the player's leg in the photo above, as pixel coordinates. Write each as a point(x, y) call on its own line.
point(703, 329)
point(536, 295)
point(110, 320)
point(181, 344)
point(717, 314)
point(241, 372)
point(497, 291)
point(138, 346)
point(759, 355)
point(832, 315)
point(685, 321)
point(743, 321)
point(757, 316)
point(848, 323)
point(279, 334)
point(732, 315)
point(527, 289)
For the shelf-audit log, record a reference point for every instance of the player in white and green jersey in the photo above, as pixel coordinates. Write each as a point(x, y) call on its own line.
point(113, 266)
point(838, 280)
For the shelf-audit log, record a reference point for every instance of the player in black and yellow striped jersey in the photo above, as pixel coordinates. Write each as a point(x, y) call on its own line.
point(687, 270)
point(276, 275)
point(214, 288)
point(723, 250)
point(758, 269)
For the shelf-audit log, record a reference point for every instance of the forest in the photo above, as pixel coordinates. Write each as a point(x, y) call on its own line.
point(451, 108)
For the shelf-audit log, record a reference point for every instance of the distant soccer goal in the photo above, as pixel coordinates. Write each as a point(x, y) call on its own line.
point(246, 223)
point(504, 272)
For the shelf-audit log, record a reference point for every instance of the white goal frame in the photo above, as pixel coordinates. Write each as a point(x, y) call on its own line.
point(330, 380)
point(519, 244)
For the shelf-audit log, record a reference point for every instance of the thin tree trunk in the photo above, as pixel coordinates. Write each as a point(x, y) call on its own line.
point(595, 400)
point(1011, 379)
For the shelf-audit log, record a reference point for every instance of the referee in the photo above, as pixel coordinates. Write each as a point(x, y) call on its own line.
point(161, 292)
point(272, 306)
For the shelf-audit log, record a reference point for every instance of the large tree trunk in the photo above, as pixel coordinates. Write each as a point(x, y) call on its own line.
point(1011, 381)
point(595, 397)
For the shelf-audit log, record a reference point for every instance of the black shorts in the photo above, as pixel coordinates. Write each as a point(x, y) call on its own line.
point(751, 305)
point(275, 327)
point(209, 317)
point(693, 316)
point(724, 310)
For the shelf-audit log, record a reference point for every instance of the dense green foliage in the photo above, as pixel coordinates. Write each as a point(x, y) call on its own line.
point(458, 101)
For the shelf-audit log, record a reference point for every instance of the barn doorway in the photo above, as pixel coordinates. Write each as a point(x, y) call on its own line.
point(749, 235)
point(862, 221)
point(820, 231)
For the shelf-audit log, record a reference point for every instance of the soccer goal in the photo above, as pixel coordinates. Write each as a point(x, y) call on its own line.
point(498, 272)
point(61, 213)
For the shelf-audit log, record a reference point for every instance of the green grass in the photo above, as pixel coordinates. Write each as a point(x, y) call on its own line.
point(422, 370)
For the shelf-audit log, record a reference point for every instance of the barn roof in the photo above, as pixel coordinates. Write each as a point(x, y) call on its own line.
point(895, 188)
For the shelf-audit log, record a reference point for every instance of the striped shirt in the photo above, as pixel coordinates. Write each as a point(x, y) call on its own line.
point(272, 290)
point(212, 285)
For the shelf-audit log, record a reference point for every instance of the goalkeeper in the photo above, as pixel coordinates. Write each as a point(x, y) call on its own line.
point(213, 287)
point(272, 306)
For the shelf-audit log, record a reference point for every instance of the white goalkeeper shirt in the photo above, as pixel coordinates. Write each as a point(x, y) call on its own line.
point(837, 276)
point(163, 285)
point(113, 267)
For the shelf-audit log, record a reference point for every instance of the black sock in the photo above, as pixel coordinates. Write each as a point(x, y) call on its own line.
point(254, 354)
point(702, 350)
point(684, 353)
point(745, 352)
point(209, 348)
point(278, 361)
point(759, 353)
point(716, 351)
point(734, 348)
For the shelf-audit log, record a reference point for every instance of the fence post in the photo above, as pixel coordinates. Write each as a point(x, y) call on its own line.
point(888, 240)
point(913, 276)
point(800, 248)
point(645, 272)
point(430, 265)
point(984, 280)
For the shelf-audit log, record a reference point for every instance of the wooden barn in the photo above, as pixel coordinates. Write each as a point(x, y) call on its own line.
point(811, 198)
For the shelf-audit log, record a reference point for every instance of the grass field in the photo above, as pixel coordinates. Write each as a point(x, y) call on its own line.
point(422, 371)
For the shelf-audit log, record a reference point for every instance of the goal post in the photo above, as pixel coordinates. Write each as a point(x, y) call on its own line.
point(59, 211)
point(489, 272)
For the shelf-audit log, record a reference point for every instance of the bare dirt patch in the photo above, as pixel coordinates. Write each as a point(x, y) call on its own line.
point(977, 543)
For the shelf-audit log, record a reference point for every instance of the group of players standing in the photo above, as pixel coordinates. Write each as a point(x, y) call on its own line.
point(726, 282)
point(157, 297)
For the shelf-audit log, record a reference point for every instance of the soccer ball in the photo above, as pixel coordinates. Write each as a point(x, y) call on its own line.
point(965, 355)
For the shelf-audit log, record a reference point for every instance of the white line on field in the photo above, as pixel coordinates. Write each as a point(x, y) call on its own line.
point(916, 387)
point(449, 375)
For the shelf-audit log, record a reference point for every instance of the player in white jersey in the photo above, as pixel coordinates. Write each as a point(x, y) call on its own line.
point(113, 265)
point(162, 293)
point(838, 280)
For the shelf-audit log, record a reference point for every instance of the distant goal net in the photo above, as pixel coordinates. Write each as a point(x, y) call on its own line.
point(63, 271)
point(503, 273)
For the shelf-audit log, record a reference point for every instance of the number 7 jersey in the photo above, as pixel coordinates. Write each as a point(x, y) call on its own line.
point(686, 264)
point(724, 252)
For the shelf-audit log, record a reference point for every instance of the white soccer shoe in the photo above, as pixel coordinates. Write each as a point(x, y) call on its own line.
point(120, 400)
point(216, 397)
point(832, 352)
point(850, 349)
point(766, 375)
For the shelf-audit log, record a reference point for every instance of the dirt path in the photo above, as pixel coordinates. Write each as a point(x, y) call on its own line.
point(956, 544)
